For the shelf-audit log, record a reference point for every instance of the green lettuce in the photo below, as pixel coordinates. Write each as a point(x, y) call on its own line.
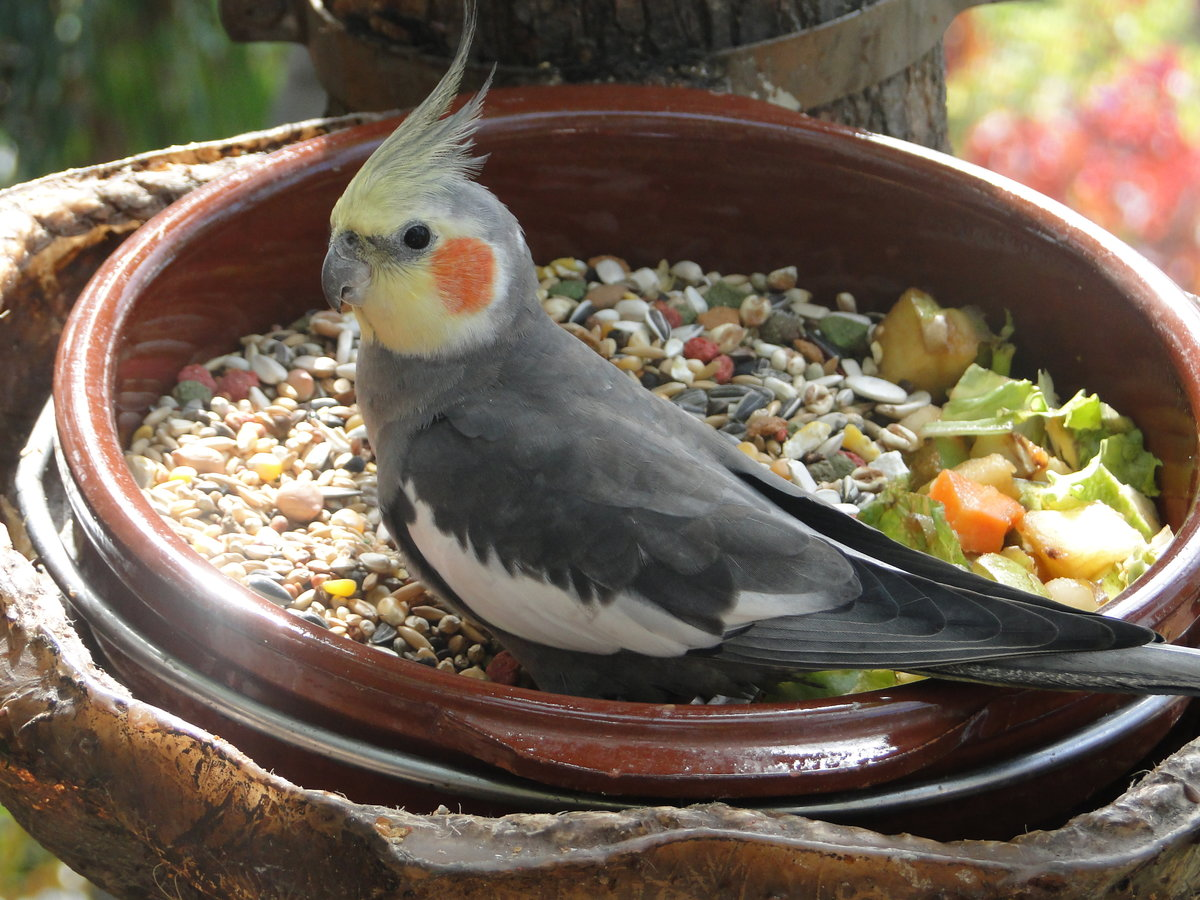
point(831, 683)
point(1083, 412)
point(1134, 567)
point(1096, 481)
point(999, 567)
point(1084, 428)
point(986, 402)
point(995, 350)
point(915, 520)
point(1125, 456)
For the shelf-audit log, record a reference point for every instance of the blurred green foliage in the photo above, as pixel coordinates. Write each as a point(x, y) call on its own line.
point(27, 872)
point(85, 81)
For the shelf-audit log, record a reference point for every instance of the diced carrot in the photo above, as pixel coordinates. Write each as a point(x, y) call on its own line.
point(979, 514)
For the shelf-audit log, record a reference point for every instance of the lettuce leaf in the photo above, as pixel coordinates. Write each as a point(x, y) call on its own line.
point(1083, 412)
point(1009, 572)
point(995, 350)
point(832, 683)
point(1126, 457)
point(1093, 482)
point(986, 402)
point(915, 520)
point(1134, 567)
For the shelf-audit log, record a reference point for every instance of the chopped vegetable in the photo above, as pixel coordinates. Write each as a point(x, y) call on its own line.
point(1074, 478)
point(1028, 459)
point(984, 402)
point(1124, 456)
point(1095, 482)
point(834, 683)
point(926, 344)
point(1075, 592)
point(996, 353)
point(916, 521)
point(980, 515)
point(1084, 542)
point(994, 469)
point(937, 454)
point(1135, 565)
point(1004, 569)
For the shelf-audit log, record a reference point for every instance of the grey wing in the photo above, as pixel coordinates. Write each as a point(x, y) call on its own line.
point(620, 522)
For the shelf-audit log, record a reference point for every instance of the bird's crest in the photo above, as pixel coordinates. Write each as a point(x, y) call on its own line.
point(427, 153)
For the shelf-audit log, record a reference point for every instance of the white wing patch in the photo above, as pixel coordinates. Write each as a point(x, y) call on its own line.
point(536, 610)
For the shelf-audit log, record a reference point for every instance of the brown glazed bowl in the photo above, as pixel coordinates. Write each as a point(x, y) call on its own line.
point(644, 173)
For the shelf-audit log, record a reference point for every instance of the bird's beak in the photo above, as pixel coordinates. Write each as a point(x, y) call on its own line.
point(344, 277)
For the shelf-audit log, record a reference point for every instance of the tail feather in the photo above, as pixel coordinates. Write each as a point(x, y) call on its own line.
point(1148, 669)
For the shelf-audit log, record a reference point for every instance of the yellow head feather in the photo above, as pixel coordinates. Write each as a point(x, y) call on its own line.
point(425, 155)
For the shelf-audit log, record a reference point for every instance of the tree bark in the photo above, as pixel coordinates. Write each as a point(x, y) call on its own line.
point(660, 42)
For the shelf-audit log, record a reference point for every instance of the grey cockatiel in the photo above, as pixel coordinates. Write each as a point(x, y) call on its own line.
point(617, 546)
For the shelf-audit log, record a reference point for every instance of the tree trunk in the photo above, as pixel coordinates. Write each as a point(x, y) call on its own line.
point(686, 42)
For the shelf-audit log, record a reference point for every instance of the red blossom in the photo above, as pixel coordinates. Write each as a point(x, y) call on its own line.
point(1121, 158)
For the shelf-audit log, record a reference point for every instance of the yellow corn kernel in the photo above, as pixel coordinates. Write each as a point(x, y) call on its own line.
point(856, 442)
point(266, 466)
point(340, 587)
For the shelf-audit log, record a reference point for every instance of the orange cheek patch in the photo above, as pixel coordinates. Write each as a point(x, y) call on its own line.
point(464, 269)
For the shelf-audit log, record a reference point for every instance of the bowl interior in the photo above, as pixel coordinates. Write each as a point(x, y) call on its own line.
point(644, 174)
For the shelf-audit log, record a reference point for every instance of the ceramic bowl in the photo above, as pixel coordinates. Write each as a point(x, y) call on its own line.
point(644, 173)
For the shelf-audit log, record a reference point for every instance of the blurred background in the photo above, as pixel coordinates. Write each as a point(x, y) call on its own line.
point(1093, 102)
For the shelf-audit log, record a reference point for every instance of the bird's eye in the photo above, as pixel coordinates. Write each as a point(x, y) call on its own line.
point(417, 237)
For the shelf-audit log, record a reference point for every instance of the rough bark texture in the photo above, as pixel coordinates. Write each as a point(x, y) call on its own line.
point(665, 41)
point(147, 805)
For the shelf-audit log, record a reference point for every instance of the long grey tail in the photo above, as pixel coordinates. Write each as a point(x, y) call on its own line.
point(1149, 669)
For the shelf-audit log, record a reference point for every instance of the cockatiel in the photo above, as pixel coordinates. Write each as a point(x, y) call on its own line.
point(614, 544)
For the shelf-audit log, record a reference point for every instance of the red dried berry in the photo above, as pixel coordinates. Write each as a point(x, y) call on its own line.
point(701, 348)
point(724, 370)
point(504, 668)
point(236, 383)
point(670, 313)
point(197, 372)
